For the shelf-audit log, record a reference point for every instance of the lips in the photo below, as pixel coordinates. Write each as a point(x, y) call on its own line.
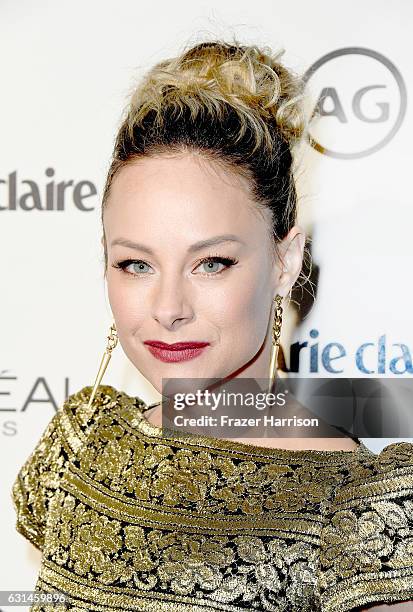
point(179, 351)
point(177, 346)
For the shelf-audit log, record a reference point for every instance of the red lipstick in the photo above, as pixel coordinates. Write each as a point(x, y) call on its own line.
point(179, 351)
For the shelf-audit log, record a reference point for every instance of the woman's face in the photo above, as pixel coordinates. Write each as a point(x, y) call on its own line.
point(158, 211)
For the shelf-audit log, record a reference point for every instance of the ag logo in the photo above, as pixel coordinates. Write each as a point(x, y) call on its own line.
point(358, 100)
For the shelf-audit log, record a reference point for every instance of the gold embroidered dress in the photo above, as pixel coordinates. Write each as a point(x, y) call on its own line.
point(128, 518)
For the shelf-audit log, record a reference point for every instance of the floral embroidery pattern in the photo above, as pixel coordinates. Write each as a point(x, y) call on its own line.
point(301, 571)
point(353, 544)
point(246, 569)
point(199, 480)
point(373, 536)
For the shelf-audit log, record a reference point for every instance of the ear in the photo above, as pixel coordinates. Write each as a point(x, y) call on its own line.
point(290, 260)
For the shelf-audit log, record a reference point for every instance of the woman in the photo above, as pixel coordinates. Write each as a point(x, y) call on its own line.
point(201, 246)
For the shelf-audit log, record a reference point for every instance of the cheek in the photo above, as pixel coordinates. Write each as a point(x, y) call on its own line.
point(243, 316)
point(127, 308)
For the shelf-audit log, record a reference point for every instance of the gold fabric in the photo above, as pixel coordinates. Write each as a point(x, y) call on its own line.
point(128, 518)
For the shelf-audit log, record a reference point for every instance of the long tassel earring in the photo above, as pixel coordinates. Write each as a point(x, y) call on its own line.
point(112, 342)
point(276, 331)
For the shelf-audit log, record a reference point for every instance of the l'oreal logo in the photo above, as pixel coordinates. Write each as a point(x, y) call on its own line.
point(28, 195)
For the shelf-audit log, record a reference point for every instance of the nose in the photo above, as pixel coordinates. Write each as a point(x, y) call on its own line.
point(171, 303)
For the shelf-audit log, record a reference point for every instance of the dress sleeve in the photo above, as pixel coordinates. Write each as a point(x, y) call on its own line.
point(366, 551)
point(40, 475)
point(61, 442)
point(36, 479)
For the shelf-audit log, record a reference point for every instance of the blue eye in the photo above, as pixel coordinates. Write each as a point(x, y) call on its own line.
point(213, 260)
point(139, 266)
point(210, 261)
point(124, 264)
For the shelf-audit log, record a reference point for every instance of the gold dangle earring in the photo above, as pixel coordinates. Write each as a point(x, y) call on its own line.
point(112, 342)
point(276, 331)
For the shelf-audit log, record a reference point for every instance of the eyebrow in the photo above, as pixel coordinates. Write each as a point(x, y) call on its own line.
point(197, 246)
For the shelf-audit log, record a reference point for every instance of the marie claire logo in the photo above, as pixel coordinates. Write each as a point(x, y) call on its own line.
point(359, 102)
point(50, 194)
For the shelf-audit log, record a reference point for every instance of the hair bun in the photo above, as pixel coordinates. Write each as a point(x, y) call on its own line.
point(251, 80)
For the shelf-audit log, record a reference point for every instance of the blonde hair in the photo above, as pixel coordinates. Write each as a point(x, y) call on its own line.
point(236, 105)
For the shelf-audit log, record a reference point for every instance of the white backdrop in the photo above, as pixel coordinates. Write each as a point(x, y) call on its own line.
point(66, 70)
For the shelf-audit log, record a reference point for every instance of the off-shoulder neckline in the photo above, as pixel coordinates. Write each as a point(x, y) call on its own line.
point(156, 431)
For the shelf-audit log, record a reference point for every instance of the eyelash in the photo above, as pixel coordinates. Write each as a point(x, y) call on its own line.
point(227, 261)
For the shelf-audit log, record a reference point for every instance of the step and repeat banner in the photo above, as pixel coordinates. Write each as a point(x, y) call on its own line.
point(67, 70)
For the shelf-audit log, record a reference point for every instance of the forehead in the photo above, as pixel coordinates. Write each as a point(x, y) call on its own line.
point(187, 191)
point(187, 173)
